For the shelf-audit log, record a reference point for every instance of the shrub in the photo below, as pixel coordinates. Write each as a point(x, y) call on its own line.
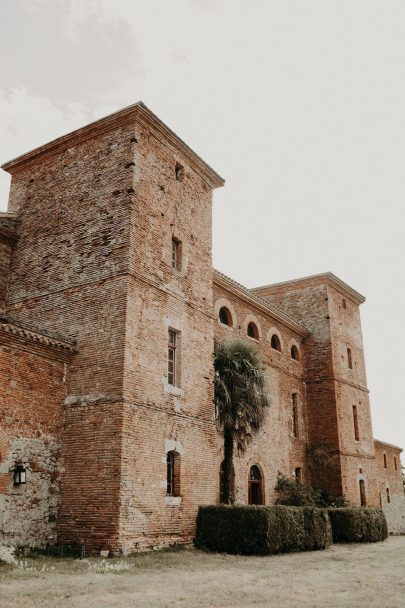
point(358, 525)
point(296, 494)
point(258, 530)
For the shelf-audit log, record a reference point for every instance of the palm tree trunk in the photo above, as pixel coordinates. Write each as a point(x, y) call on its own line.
point(228, 496)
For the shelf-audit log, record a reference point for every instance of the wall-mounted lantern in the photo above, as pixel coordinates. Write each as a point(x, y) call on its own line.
point(19, 475)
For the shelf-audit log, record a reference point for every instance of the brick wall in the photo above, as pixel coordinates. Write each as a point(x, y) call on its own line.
point(390, 478)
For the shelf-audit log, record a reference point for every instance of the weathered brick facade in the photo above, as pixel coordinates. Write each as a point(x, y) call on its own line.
point(89, 293)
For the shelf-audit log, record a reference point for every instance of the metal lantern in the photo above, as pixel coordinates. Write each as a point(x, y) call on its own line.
point(19, 475)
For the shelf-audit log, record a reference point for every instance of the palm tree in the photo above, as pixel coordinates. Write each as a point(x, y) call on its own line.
point(240, 401)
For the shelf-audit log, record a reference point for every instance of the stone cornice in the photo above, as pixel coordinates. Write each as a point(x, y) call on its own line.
point(259, 303)
point(8, 226)
point(327, 278)
point(136, 112)
point(33, 340)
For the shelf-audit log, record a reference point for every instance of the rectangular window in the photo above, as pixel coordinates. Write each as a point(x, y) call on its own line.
point(294, 399)
point(171, 361)
point(388, 495)
point(298, 474)
point(176, 254)
point(395, 463)
point(385, 460)
point(356, 424)
point(349, 358)
point(363, 501)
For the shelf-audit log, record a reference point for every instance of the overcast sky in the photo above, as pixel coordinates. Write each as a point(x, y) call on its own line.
point(298, 104)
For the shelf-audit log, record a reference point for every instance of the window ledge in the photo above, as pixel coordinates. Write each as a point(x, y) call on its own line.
point(173, 390)
point(173, 501)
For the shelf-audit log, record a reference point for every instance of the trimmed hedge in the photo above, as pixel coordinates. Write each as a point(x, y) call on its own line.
point(259, 530)
point(358, 525)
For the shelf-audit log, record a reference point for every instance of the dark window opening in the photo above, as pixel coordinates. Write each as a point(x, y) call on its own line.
point(294, 353)
point(349, 358)
point(172, 358)
point(225, 316)
point(255, 489)
point(344, 303)
point(298, 474)
point(356, 423)
point(173, 473)
point(385, 460)
point(362, 487)
point(395, 463)
point(252, 331)
point(179, 171)
point(275, 342)
point(294, 400)
point(388, 495)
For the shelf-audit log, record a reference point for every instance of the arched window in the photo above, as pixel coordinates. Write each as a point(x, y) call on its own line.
point(221, 482)
point(362, 488)
point(349, 358)
point(275, 342)
point(294, 353)
point(225, 316)
point(385, 460)
point(252, 330)
point(173, 473)
point(255, 493)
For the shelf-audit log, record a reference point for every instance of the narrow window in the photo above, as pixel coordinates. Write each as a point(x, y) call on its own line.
point(395, 463)
point(298, 474)
point(252, 331)
point(388, 495)
point(294, 400)
point(356, 423)
point(173, 473)
point(294, 353)
point(172, 358)
point(179, 171)
point(255, 489)
point(275, 342)
point(176, 254)
point(362, 487)
point(349, 358)
point(344, 303)
point(385, 460)
point(225, 316)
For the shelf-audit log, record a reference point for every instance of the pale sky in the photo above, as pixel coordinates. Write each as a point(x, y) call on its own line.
point(298, 104)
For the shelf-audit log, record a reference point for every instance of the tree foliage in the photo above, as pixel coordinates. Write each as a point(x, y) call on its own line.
point(240, 400)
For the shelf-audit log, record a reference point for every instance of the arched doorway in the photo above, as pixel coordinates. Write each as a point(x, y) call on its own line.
point(255, 489)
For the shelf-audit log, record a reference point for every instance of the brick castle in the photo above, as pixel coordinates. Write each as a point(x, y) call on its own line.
point(109, 308)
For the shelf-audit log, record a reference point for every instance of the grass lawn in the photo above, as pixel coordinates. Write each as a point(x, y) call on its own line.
point(352, 576)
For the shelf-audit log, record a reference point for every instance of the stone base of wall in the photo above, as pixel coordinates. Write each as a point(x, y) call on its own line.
point(28, 512)
point(395, 514)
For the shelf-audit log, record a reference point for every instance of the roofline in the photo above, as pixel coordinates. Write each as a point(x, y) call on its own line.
point(227, 283)
point(389, 445)
point(325, 277)
point(63, 347)
point(135, 111)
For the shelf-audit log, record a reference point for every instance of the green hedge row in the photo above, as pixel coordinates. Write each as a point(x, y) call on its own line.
point(252, 530)
point(358, 525)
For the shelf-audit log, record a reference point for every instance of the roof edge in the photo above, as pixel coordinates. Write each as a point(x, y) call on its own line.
point(225, 281)
point(326, 277)
point(137, 110)
point(389, 445)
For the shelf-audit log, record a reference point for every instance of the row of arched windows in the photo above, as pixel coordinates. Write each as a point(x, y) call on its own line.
point(252, 331)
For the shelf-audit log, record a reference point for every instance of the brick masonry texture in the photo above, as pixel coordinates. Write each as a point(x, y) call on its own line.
point(88, 294)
